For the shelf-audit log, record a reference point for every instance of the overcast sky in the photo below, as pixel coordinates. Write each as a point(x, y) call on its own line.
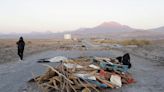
point(60, 15)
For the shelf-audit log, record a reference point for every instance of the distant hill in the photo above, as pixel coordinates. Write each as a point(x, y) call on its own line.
point(105, 28)
point(118, 31)
point(111, 30)
point(32, 35)
point(160, 29)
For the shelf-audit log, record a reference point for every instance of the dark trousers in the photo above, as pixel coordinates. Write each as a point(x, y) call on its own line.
point(20, 53)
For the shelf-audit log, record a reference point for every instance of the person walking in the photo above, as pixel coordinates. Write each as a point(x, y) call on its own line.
point(20, 45)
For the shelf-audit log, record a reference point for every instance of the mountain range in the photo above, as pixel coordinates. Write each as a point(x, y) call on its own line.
point(116, 30)
point(111, 30)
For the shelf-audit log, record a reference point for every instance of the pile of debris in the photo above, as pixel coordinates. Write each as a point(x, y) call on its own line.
point(86, 74)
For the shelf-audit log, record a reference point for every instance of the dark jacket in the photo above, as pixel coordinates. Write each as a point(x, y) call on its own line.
point(21, 43)
point(126, 60)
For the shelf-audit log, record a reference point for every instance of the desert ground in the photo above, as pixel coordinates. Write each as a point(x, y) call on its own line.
point(147, 62)
point(149, 49)
point(8, 47)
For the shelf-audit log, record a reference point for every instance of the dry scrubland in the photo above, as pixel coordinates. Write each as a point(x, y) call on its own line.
point(150, 49)
point(125, 42)
point(153, 51)
point(8, 48)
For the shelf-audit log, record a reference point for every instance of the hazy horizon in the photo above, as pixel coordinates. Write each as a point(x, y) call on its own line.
point(20, 16)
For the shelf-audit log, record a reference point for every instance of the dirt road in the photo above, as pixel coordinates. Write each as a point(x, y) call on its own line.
point(148, 74)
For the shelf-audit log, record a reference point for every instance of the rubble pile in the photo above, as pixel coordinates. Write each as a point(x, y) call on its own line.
point(85, 74)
